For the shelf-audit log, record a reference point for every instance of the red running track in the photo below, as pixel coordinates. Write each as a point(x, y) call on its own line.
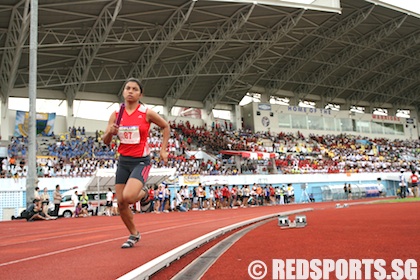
point(370, 231)
point(90, 247)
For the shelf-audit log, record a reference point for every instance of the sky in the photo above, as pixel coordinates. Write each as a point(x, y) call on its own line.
point(102, 110)
point(412, 5)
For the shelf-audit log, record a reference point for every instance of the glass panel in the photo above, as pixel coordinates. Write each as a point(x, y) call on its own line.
point(377, 128)
point(330, 124)
point(389, 128)
point(399, 128)
point(299, 122)
point(284, 120)
point(346, 124)
point(363, 126)
point(315, 122)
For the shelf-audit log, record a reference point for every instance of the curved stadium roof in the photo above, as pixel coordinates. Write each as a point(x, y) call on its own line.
point(212, 53)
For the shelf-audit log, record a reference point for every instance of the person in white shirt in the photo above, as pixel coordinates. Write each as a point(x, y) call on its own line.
point(75, 200)
point(211, 197)
point(109, 201)
point(180, 202)
point(403, 184)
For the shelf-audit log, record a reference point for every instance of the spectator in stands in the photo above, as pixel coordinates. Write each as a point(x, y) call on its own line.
point(132, 126)
point(328, 154)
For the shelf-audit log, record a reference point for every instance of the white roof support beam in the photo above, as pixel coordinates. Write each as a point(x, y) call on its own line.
point(249, 57)
point(92, 43)
point(401, 87)
point(17, 35)
point(200, 59)
point(161, 41)
point(317, 46)
point(373, 85)
point(373, 62)
point(413, 95)
point(347, 54)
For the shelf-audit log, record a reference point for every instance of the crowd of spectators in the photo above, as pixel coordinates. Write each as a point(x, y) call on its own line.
point(216, 197)
point(80, 155)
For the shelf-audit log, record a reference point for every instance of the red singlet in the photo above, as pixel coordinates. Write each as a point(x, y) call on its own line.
point(134, 133)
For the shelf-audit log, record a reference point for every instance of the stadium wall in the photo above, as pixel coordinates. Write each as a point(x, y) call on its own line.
point(280, 118)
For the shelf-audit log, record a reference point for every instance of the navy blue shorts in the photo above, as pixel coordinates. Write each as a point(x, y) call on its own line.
point(130, 167)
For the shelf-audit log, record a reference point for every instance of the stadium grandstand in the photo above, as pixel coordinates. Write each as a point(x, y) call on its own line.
point(274, 88)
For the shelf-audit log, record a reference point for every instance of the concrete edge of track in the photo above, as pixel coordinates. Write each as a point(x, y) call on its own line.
point(148, 269)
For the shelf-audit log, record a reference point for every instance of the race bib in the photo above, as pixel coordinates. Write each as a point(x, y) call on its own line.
point(129, 134)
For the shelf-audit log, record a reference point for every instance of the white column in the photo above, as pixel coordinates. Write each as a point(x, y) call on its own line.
point(207, 117)
point(70, 116)
point(237, 121)
point(4, 121)
point(164, 111)
point(265, 97)
point(392, 111)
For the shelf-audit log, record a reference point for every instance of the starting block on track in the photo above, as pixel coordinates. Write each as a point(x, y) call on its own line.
point(285, 223)
point(300, 221)
point(338, 205)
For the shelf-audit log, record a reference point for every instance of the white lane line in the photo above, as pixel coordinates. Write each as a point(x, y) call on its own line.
point(103, 229)
point(58, 252)
point(96, 243)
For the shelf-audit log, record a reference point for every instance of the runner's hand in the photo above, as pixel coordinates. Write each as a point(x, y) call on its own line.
point(164, 157)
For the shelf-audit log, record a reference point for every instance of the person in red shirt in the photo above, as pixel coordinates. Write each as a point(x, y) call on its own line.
point(414, 180)
point(226, 196)
point(132, 126)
